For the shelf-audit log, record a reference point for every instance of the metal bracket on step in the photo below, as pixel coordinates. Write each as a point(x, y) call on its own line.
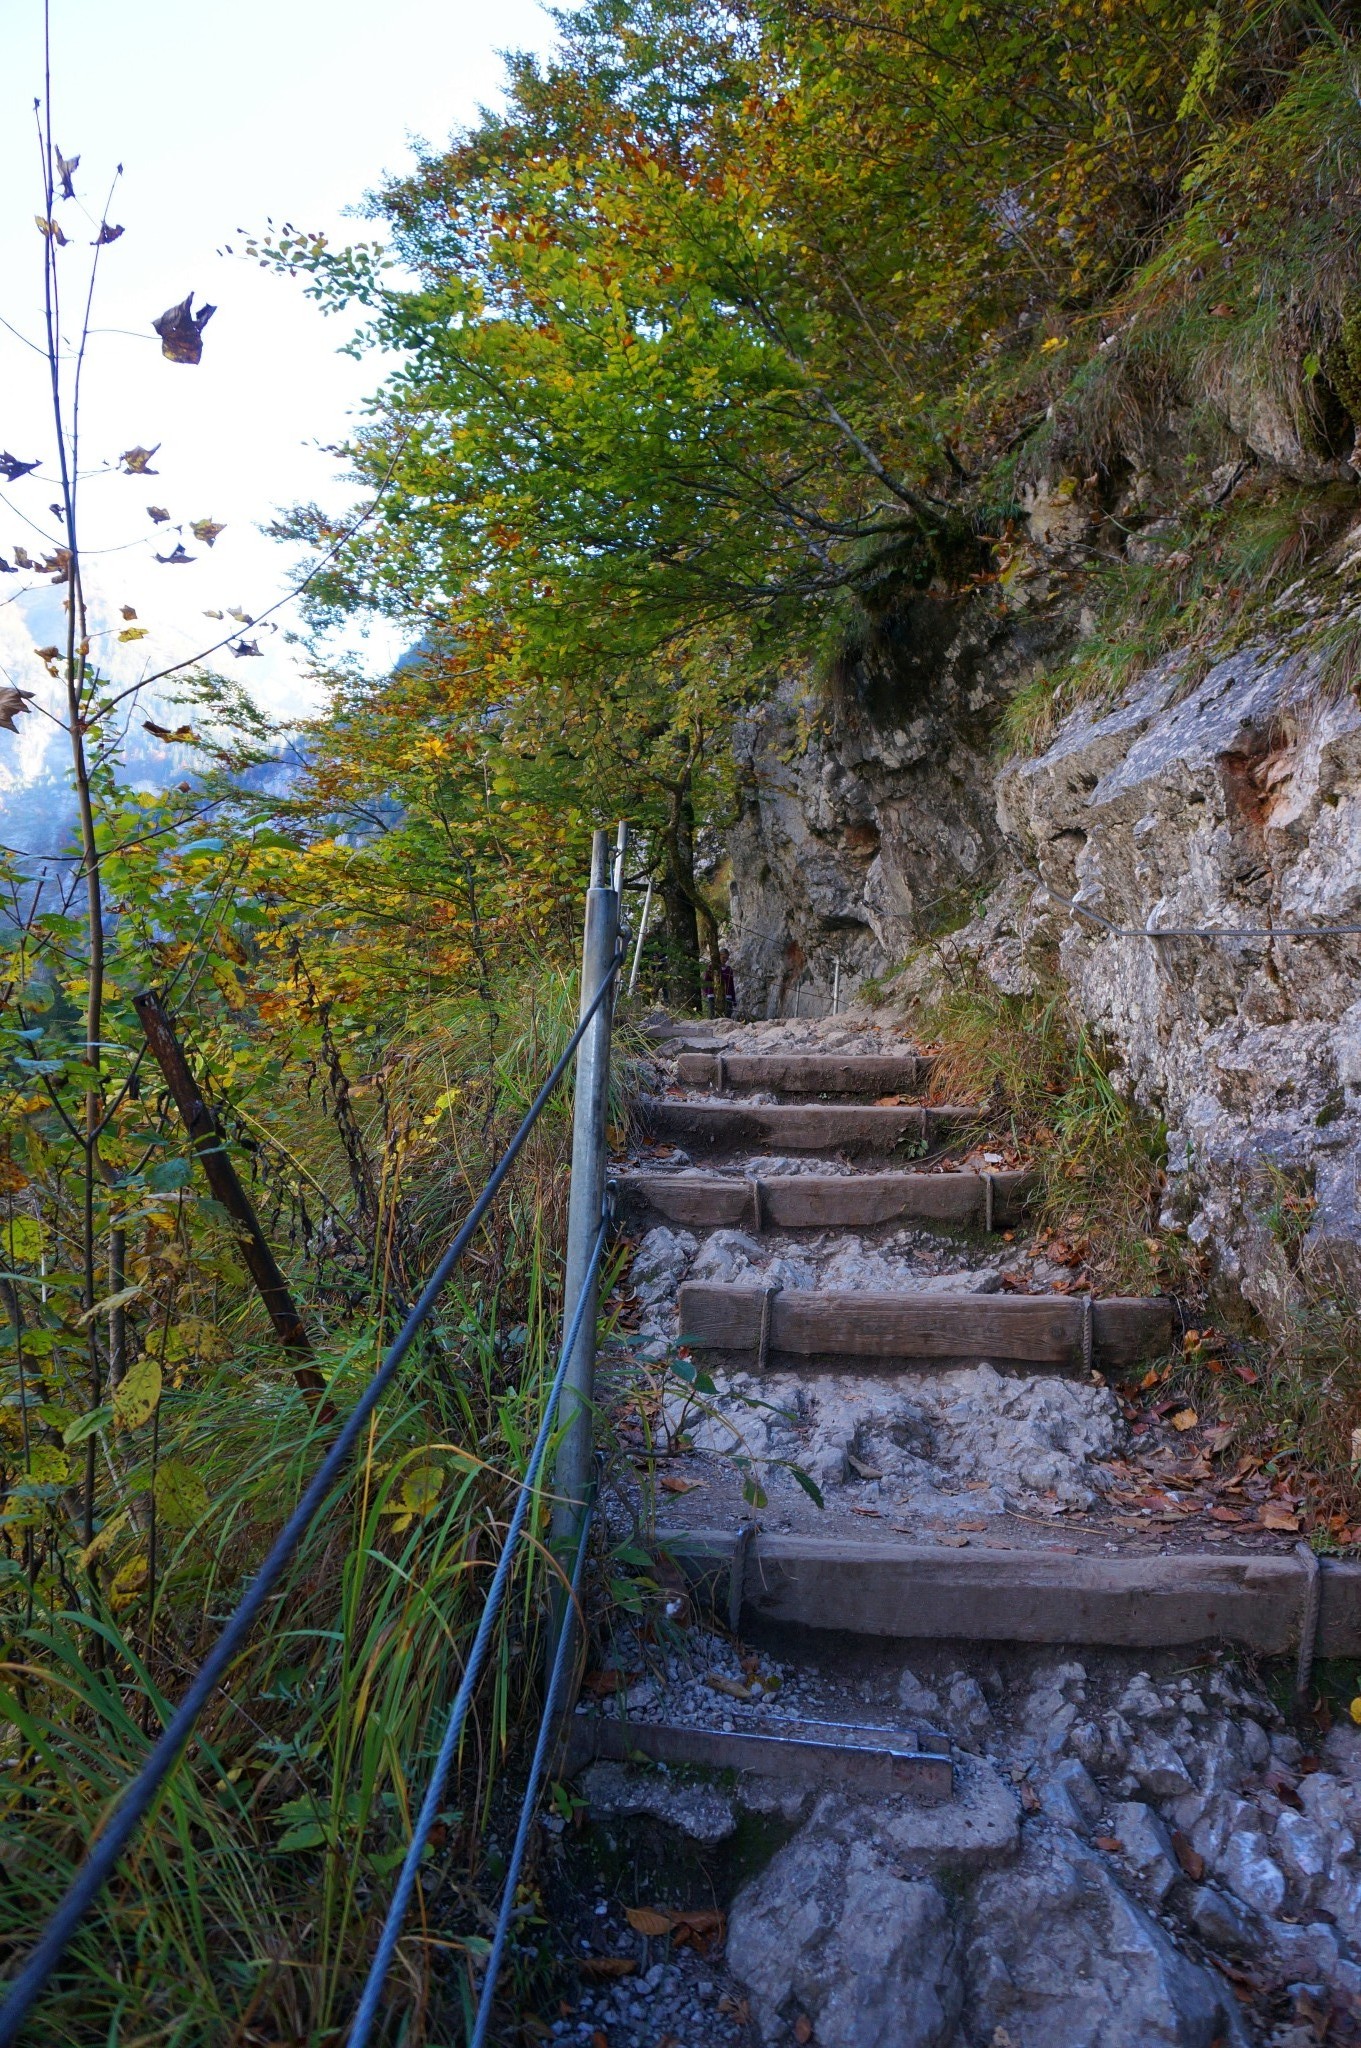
point(1313, 1591)
point(987, 1201)
point(758, 1207)
point(720, 1073)
point(1088, 1340)
point(763, 1342)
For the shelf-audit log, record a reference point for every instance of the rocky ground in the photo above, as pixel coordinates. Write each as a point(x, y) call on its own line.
point(1137, 1854)
point(1140, 1850)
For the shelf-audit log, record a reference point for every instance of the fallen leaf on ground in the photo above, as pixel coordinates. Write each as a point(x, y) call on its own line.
point(670, 1485)
point(1112, 1844)
point(803, 2029)
point(606, 1966)
point(602, 1682)
point(647, 1920)
point(731, 1688)
point(1186, 1419)
point(1276, 1515)
point(1191, 1860)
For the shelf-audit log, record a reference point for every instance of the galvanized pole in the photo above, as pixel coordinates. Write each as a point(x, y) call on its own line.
point(572, 1474)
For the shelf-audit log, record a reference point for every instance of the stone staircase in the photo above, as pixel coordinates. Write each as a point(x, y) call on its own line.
point(876, 1471)
point(809, 1172)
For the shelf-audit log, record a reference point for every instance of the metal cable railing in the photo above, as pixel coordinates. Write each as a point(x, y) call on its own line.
point(367, 2011)
point(139, 1796)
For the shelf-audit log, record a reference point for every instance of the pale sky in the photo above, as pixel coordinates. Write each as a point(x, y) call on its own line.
point(221, 116)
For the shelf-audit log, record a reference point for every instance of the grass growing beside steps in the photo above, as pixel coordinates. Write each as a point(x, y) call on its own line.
point(1293, 1392)
point(1040, 1080)
point(245, 1912)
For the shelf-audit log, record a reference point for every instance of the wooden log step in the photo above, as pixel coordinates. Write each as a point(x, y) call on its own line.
point(907, 1590)
point(800, 1073)
point(805, 1752)
point(810, 1201)
point(804, 1127)
point(1051, 1332)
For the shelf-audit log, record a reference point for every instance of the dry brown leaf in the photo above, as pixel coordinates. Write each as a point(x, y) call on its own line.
point(699, 1920)
point(1191, 1860)
point(647, 1920)
point(1186, 1418)
point(602, 1682)
point(606, 1966)
point(803, 2029)
point(670, 1485)
point(12, 703)
point(1276, 1515)
point(1112, 1844)
point(181, 330)
point(731, 1688)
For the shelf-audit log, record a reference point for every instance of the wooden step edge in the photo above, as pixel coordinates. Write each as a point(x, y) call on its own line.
point(855, 1074)
point(798, 1201)
point(925, 1592)
point(865, 1759)
point(1056, 1332)
point(709, 1110)
point(806, 1126)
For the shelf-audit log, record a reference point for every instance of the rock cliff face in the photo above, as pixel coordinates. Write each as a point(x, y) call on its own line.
point(1229, 802)
point(869, 813)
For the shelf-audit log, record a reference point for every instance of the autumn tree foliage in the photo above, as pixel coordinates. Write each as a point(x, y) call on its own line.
point(731, 328)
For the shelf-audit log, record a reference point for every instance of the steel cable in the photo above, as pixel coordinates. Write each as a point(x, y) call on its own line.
point(136, 1801)
point(367, 2011)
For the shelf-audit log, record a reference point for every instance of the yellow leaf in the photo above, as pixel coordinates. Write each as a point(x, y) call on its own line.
point(1186, 1418)
point(420, 1494)
point(102, 1540)
point(137, 1393)
point(22, 1239)
point(133, 633)
point(47, 1466)
point(1355, 1711)
point(127, 1583)
point(181, 1496)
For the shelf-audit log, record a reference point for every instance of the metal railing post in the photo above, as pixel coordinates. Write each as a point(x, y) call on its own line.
point(572, 1473)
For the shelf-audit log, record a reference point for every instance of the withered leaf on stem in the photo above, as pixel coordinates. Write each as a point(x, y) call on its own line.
point(158, 513)
point(177, 556)
point(137, 461)
point(50, 228)
point(182, 733)
point(12, 703)
point(107, 233)
point(7, 568)
point(67, 166)
point(206, 530)
point(12, 469)
point(129, 611)
point(242, 648)
point(181, 330)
